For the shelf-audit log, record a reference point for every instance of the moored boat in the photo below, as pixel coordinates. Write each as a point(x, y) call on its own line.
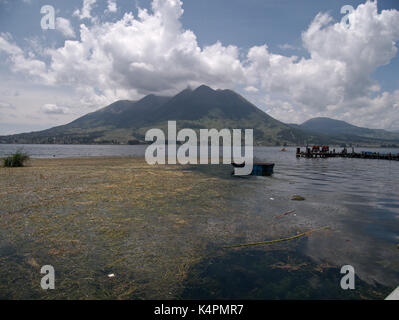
point(259, 168)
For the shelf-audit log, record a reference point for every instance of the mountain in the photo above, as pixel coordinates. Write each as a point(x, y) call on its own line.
point(126, 121)
point(345, 131)
point(121, 114)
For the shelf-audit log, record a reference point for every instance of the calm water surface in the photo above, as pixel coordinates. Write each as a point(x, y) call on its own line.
point(357, 198)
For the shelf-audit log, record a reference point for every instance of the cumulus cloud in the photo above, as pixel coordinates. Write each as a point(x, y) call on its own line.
point(23, 62)
point(151, 53)
point(85, 12)
point(154, 53)
point(338, 73)
point(54, 109)
point(64, 26)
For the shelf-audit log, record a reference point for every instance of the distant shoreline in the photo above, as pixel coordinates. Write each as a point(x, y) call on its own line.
point(63, 151)
point(349, 145)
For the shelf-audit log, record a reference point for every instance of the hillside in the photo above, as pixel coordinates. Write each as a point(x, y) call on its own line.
point(126, 122)
point(345, 131)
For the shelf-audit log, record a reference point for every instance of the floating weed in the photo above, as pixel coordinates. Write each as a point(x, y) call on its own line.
point(148, 225)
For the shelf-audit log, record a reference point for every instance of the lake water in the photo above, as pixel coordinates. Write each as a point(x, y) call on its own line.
point(357, 198)
point(72, 151)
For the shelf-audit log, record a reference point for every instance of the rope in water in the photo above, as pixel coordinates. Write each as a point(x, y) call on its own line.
point(277, 240)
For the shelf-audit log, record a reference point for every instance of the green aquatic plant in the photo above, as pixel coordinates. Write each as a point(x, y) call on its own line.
point(18, 159)
point(304, 234)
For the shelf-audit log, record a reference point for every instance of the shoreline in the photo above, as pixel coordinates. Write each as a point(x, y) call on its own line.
point(51, 151)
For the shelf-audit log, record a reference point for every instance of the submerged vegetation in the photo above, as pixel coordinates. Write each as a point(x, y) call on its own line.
point(89, 218)
point(297, 198)
point(118, 228)
point(18, 159)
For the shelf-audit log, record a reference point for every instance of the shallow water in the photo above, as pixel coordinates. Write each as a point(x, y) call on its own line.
point(357, 198)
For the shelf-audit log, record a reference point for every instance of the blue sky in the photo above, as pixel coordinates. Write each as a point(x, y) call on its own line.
point(289, 57)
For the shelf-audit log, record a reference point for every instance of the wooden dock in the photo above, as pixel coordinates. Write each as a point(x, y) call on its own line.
point(310, 153)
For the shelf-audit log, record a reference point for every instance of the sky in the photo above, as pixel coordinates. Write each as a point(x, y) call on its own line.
point(294, 59)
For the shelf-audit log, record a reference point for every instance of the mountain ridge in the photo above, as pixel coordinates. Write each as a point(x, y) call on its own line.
point(126, 122)
point(345, 130)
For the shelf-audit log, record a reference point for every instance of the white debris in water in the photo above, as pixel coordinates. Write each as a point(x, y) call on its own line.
point(271, 198)
point(111, 275)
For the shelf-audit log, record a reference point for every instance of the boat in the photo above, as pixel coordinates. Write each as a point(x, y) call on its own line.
point(259, 168)
point(262, 169)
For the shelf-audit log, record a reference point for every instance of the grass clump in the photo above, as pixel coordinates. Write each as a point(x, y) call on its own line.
point(18, 159)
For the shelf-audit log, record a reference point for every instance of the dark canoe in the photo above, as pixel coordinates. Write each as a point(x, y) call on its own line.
point(259, 168)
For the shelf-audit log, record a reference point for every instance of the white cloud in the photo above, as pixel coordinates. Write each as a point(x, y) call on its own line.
point(251, 89)
point(54, 109)
point(85, 12)
point(153, 53)
point(64, 26)
point(112, 7)
point(287, 46)
point(21, 61)
point(338, 73)
point(136, 56)
point(7, 46)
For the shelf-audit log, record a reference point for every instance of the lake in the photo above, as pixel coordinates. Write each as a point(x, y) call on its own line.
point(357, 199)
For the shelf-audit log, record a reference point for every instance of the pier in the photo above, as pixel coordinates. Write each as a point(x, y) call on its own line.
point(324, 152)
